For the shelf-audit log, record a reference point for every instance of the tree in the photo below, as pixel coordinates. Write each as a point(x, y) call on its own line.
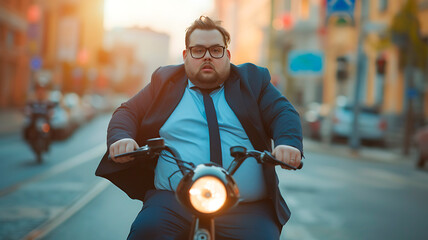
point(404, 33)
point(413, 53)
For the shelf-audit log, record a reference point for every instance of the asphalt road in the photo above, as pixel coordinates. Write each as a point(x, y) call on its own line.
point(333, 197)
point(32, 194)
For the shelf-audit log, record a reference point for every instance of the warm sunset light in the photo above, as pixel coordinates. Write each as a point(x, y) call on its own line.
point(169, 16)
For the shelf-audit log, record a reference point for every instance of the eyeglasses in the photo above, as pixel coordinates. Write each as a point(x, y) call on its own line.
point(199, 52)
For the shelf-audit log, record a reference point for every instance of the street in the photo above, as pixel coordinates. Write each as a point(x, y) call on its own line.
point(332, 197)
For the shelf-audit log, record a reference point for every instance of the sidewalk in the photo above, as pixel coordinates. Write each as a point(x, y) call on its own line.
point(11, 121)
point(391, 155)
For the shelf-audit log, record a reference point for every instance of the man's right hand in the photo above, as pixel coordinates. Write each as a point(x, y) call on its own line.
point(122, 146)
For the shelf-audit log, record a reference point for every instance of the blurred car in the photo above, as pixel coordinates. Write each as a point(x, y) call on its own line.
point(60, 123)
point(99, 103)
point(421, 140)
point(313, 119)
point(60, 120)
point(79, 110)
point(372, 126)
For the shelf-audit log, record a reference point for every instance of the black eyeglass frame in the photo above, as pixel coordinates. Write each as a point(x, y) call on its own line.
point(205, 52)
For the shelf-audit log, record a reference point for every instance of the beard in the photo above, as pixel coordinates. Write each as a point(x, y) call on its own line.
point(207, 80)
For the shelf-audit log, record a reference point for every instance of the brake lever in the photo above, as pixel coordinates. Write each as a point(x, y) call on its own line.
point(266, 157)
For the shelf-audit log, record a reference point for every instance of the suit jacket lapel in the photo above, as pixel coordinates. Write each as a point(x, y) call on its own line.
point(245, 108)
point(163, 105)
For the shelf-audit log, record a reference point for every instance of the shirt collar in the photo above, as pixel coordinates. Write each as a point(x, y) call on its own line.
point(192, 86)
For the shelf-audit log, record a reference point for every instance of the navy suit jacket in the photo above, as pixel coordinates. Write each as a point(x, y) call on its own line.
point(263, 112)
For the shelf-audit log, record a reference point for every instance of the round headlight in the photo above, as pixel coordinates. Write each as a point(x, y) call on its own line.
point(207, 194)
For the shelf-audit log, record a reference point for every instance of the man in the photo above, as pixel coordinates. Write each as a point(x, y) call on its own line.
point(39, 107)
point(249, 111)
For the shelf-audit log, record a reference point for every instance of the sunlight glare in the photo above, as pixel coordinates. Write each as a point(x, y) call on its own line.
point(168, 16)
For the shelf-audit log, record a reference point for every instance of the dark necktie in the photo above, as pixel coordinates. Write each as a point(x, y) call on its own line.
point(215, 144)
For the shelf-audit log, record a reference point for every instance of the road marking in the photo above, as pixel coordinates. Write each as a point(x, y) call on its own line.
point(359, 177)
point(296, 232)
point(61, 217)
point(389, 177)
point(70, 163)
point(306, 216)
point(14, 213)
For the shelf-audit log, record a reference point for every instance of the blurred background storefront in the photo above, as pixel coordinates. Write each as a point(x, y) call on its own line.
point(311, 48)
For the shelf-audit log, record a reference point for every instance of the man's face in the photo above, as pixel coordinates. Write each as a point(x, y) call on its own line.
point(206, 72)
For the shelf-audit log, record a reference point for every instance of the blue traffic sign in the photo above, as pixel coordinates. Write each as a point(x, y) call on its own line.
point(36, 63)
point(340, 7)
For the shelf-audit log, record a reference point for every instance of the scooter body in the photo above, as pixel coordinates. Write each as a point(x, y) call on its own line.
point(37, 130)
point(206, 190)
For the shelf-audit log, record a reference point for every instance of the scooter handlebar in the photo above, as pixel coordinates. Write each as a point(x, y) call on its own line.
point(266, 157)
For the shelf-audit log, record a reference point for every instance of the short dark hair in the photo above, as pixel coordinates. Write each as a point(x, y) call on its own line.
point(206, 23)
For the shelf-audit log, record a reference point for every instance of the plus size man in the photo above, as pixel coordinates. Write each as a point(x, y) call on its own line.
point(250, 112)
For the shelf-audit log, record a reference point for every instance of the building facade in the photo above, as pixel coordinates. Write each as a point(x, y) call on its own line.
point(137, 53)
point(14, 59)
point(54, 42)
point(289, 36)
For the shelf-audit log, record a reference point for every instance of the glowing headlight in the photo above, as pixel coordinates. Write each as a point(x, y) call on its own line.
point(207, 194)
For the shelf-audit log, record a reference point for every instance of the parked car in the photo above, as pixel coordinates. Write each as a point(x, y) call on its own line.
point(372, 126)
point(99, 103)
point(79, 111)
point(60, 121)
point(312, 121)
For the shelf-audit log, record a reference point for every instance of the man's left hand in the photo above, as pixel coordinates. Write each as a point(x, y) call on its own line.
point(287, 154)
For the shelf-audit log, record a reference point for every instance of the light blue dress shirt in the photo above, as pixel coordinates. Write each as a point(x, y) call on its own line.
point(191, 140)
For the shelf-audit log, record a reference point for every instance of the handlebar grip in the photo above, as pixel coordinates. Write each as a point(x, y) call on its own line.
point(268, 158)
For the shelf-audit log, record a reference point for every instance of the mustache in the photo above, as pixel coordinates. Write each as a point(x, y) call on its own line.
point(207, 64)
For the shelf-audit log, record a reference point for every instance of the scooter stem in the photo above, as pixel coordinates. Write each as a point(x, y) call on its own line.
point(202, 228)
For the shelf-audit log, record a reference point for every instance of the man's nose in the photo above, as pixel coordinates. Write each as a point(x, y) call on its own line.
point(207, 54)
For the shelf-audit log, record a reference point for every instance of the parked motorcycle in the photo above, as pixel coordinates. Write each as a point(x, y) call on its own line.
point(206, 190)
point(37, 129)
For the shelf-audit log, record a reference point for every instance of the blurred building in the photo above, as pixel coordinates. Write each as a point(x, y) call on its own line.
point(135, 54)
point(247, 21)
point(311, 49)
point(72, 43)
point(296, 48)
point(14, 58)
point(55, 42)
point(387, 83)
point(279, 34)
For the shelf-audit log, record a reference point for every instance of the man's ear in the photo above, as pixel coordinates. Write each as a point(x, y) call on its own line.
point(228, 54)
point(184, 54)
